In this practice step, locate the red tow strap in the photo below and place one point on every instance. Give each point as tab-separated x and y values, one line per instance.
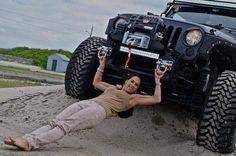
129	55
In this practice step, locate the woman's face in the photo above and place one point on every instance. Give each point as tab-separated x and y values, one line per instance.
131	85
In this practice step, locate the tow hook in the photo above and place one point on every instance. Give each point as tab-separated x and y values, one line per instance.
104	51
164	65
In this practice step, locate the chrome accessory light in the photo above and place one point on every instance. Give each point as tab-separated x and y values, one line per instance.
120	21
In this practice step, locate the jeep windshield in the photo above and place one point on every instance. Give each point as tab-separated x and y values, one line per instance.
204	15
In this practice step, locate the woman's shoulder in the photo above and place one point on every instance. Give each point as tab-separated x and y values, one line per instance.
110	88
118	86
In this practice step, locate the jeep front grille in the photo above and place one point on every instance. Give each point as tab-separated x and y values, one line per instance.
171	36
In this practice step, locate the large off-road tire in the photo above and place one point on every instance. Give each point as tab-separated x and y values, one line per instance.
216	129
82	67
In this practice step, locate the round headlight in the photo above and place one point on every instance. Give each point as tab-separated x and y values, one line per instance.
193	37
120	21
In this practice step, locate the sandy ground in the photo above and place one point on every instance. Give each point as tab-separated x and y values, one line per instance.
161	130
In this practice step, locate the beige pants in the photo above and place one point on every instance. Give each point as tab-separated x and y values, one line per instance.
80	115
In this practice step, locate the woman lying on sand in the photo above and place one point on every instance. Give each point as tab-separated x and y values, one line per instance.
88	113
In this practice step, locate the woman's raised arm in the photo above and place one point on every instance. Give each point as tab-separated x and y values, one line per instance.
97	80
138	99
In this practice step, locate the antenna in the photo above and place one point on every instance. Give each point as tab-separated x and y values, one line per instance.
91	32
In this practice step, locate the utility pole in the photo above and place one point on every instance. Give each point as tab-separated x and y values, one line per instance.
91	32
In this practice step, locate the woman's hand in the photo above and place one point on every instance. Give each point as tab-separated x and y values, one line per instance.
102	61
158	75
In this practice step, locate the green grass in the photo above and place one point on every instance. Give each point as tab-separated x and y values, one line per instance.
8	83
24	71
39	56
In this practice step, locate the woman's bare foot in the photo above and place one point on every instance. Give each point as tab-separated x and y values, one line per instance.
18	142
9	141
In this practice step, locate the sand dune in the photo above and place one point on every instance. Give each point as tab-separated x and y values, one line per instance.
154	130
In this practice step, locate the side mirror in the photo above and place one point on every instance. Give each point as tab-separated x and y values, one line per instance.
163	15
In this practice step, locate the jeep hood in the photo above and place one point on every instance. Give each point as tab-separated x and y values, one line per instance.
223	33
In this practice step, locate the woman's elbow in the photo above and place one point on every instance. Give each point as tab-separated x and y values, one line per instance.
157	100
95	85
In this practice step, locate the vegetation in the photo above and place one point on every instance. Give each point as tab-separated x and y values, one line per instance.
39	56
24	71
14	77
7	83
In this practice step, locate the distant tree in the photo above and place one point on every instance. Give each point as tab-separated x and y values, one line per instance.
39	56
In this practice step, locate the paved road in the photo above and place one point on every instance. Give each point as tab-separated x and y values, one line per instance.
31	77
31	67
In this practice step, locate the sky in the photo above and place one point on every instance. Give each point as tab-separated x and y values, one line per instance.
62	24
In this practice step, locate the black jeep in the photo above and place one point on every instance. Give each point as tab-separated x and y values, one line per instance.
194	42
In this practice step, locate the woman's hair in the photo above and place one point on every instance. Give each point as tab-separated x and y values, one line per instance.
126	114
130	75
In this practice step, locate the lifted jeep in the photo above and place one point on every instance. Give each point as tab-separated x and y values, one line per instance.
194	42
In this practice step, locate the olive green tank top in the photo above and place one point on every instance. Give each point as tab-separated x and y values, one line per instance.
113	100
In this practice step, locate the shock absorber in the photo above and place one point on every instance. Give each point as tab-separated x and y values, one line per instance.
201	86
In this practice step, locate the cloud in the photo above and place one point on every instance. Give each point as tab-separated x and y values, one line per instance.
62	24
